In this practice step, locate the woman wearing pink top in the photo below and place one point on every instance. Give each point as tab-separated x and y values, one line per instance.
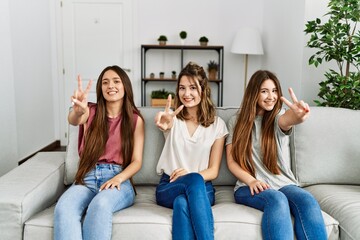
111	137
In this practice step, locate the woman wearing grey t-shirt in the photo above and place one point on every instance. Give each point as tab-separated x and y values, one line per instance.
257	156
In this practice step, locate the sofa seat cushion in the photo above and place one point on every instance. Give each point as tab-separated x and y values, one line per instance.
342	202
146	220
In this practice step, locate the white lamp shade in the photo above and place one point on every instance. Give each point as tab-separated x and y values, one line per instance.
247	41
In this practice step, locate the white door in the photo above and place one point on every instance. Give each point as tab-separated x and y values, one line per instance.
96	34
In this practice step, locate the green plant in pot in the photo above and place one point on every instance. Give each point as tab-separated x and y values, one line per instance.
212	68
183	36
159	98
203	41
162	40
338	40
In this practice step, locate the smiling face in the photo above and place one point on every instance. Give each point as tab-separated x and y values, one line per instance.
112	86
268	97
189	92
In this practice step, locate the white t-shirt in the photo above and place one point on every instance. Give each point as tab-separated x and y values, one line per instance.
189	152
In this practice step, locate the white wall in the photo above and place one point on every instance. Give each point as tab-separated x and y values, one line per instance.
28	123
311	75
218	20
283	39
30	77
8	132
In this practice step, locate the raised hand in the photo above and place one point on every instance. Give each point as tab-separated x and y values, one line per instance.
297	113
164	119
79	99
299	108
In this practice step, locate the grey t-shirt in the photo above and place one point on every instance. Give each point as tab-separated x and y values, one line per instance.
286	177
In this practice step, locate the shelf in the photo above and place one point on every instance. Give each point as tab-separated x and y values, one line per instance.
181	48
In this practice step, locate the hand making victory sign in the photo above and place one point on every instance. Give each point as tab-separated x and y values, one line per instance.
164	120
298	112
79	99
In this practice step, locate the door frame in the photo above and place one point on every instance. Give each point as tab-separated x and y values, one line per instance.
59	71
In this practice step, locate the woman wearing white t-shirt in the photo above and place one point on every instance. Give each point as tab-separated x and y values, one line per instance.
191	157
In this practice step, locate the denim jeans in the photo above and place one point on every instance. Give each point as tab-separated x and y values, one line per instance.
99	206
278	206
191	199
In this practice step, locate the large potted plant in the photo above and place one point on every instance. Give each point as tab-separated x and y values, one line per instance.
338	39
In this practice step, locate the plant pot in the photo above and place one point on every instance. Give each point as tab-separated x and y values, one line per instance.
204	44
162	43
182	41
212	74
157	102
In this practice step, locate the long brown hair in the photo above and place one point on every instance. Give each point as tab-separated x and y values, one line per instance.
242	136
206	109
96	135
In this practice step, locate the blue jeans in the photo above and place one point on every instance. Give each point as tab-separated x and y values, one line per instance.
99	206
278	206
191	199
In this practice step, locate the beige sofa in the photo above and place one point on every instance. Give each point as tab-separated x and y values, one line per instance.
325	156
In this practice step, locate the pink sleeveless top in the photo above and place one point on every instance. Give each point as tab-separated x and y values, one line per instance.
112	153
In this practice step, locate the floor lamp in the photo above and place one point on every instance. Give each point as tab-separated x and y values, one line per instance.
248	42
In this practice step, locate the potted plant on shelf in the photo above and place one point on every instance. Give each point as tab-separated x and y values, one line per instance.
183	36
161	75
162	40
159	98
212	70
173	74
338	40
203	41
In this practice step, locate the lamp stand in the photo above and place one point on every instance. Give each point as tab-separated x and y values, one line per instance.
246	67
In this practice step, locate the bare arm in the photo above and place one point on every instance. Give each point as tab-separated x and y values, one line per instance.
80	112
215	160
136	160
255	185
298	112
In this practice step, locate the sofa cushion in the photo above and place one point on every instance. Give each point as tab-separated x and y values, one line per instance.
72	155
147	220
326	147
343	203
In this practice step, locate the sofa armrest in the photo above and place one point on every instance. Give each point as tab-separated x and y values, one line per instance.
29	189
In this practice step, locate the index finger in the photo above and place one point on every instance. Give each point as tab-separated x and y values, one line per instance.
292	94
287	102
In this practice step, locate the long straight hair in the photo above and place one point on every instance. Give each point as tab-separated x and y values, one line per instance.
206	109
97	134
241	142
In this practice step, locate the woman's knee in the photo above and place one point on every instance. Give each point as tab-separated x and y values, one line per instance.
194	179
181	204
277	201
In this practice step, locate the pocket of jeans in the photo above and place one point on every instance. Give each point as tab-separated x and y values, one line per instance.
116	169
